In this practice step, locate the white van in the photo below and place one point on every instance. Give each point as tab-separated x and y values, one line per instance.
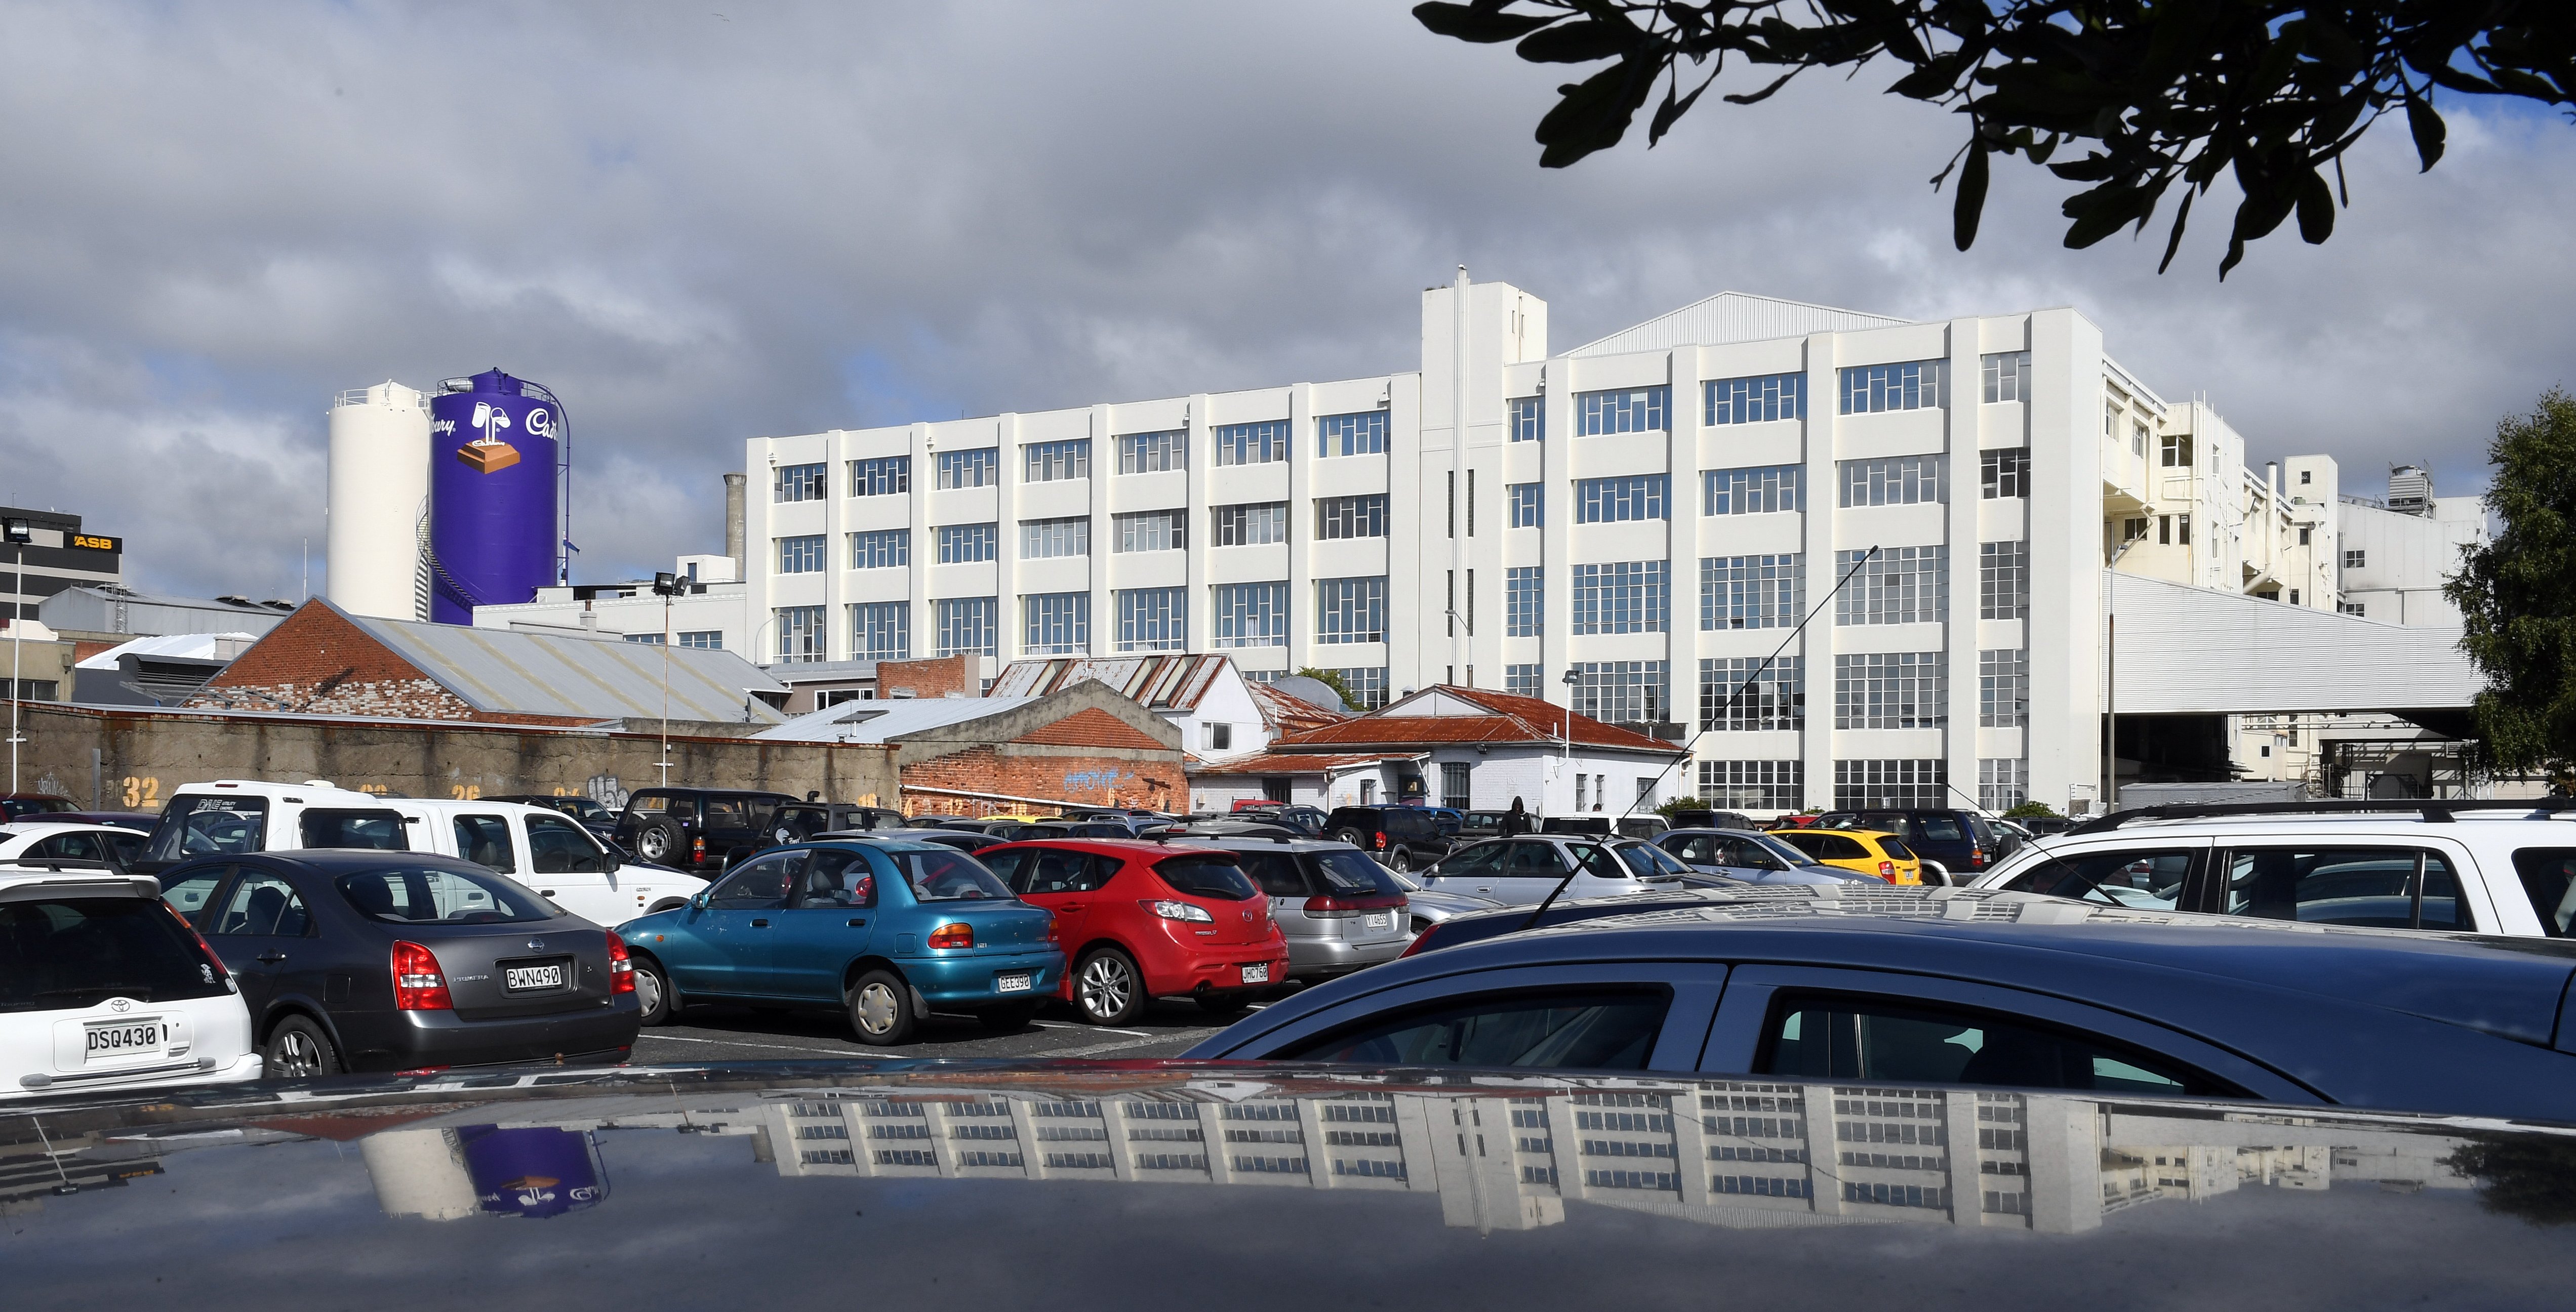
102	988
541	848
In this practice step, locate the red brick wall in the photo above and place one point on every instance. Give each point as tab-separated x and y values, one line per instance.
316	662
1105	780
936	676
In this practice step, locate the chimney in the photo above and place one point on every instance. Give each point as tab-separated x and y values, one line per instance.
733	522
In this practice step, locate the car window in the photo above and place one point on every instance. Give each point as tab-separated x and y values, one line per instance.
1647	861
1010	867
1056	870
1353	874
1206	876
648	802
1589	1030
760	885
725	813
757	810
560	847
128	845
186	890
1482	861
1596	861
264	904
1535	861
2549	880
2372	886
210	826
69	847
1895	850
330	827
1847	1038
836	878
2125	877
1405	822
416	894
485	841
1277	872
945	876
71	953
1938	828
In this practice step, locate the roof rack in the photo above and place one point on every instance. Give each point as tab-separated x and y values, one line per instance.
2434	810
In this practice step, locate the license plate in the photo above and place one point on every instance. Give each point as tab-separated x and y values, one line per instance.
123	1038
532	977
1380	920
1014	981
1257	974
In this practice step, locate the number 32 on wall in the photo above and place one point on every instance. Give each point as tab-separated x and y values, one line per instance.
141	791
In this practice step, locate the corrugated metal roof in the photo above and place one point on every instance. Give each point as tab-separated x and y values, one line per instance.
1165	683
881	720
2187	650
512	673
1509	720
1733	317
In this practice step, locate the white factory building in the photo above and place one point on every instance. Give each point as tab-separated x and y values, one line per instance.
1654	512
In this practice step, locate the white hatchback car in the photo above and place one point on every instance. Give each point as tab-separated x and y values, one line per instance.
31	843
2461	866
103	986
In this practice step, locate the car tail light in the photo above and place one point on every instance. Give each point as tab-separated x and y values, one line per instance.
954	934
1329	907
1050	929
1381	841
621	968
1887	871
205	953
1173	909
418	985
1976	858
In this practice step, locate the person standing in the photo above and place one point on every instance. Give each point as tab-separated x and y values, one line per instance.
1516	821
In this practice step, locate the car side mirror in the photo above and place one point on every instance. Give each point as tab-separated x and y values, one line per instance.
699	903
610	863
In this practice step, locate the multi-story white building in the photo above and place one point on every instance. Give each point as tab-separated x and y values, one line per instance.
1657	512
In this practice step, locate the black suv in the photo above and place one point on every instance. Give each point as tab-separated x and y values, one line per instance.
795	822
696	827
1400	837
1962	841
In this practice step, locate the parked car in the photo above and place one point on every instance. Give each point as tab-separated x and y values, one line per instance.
2041	826
102	987
371	960
1226	827
134	820
1751	857
964	840
1528	870
2018	995
31	843
1141	920
1424	907
1712	819
2482	867
1965	843
1339	909
1479	824
1308	821
797	822
880	929
1070	829
1400	837
1867	851
591	814
18	806
562	860
697	828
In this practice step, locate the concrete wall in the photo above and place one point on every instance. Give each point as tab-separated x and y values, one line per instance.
132	760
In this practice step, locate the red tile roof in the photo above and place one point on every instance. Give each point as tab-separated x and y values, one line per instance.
1297	762
1513	720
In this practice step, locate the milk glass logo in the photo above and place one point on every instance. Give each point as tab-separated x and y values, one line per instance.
489	454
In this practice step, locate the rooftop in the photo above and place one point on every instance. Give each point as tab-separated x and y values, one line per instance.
1733	317
1448	714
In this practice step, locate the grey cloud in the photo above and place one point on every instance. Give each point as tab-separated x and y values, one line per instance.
699	230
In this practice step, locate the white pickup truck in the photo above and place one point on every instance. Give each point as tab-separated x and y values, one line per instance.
540	848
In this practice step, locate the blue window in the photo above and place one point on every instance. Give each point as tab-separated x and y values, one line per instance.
1916	385
1045	539
881	477
964	544
1636	410
703	639
799	483
883	549
980	467
1528	421
1249	615
1750	592
1611	500
1529	501
1153	453
1362	434
800	633
1252	444
1524	593
1351	517
881	631
1350	610
1051	462
1056	623
1628	596
967	624
1755	490
1893	481
1900	585
1153	619
802	554
1754	400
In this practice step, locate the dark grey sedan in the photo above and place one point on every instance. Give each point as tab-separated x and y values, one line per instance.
380	961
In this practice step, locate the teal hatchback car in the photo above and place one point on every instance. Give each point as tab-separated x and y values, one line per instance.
884	930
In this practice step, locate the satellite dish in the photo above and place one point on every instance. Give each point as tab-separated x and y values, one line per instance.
1314	692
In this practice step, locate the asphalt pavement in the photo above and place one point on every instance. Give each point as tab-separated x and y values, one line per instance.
731	1033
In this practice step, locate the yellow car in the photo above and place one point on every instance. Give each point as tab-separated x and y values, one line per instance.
1866	850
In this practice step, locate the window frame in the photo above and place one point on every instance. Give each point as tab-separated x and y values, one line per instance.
1695	988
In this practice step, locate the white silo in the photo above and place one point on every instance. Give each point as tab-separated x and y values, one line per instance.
379	493
420	1173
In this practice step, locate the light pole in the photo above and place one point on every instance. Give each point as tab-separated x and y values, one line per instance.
666	586
1571	679
2111	677
19	536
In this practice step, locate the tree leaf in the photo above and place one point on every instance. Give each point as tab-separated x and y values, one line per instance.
1593	114
2427	128
2316	209
1970	204
1483	23
1579	43
1672	109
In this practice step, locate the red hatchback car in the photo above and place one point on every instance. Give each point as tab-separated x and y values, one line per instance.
1141	920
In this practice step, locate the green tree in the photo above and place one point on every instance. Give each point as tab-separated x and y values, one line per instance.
2152	93
2517	594
1332	681
2030	811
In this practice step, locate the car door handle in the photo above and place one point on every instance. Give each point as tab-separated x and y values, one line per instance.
760	924
1075	906
858	922
545	892
272	958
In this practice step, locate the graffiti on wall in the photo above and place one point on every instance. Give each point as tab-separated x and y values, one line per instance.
1101	780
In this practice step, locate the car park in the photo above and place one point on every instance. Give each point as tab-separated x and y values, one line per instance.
1400	837
39	844
1424	907
1964	843
1702	818
1748	856
1307	819
1339	910
2505	867
559	858
883	930
797	822
1141	920
1533	868
375	960
1867	851
1957	987
697	828
102	988
1045	829
964	840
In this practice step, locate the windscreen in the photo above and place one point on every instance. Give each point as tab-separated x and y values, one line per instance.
1649	861
1207	876
68	953
948	877
1355	874
441	894
209	825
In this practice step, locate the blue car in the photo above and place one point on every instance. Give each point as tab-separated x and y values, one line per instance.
885	929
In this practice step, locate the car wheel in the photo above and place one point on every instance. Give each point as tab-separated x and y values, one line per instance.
298	1050
1399	859
1015	1016
1228	1005
1108	988
657	841
881	1009
667	904
653	993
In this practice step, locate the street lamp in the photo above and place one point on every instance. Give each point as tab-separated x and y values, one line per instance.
666	585
19	536
1571	679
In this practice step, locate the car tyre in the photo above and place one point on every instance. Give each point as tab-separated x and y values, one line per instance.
1009	1017
1108	989
1227	1005
653	992
880	1007
1399	860
659	841
298	1050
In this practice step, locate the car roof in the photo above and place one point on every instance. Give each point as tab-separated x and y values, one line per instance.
1127	847
1261	843
21	882
905	843
338	860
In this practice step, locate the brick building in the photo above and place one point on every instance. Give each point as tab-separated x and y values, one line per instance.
1086	745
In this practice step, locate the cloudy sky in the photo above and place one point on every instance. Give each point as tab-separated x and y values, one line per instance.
709	221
